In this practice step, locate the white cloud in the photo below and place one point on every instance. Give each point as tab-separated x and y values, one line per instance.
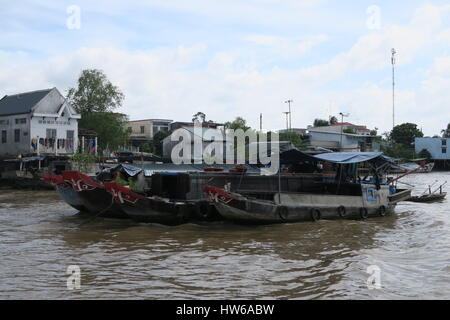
176	81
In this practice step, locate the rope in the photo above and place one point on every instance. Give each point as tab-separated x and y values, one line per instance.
100	213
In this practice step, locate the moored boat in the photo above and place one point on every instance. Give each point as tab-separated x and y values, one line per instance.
156	209
347	196
65	191
93	195
298	207
427	198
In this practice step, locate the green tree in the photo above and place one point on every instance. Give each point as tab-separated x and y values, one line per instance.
293	137
199	116
158	142
333	120
349	130
95	98
147	147
405	134
83	161
446	132
321	123
238	123
94	93
424	153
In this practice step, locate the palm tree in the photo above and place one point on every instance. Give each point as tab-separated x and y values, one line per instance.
446	132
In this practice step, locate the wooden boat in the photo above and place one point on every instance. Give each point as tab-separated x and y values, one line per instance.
399	195
93	195
159	210
297	207
427	198
342	196
65	191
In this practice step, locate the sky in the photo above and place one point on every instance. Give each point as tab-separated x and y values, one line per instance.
229	58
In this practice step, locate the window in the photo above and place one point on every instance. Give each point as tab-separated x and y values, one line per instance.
17	135
444	142
371	194
21	121
4	135
444	150
51	133
4	122
142	129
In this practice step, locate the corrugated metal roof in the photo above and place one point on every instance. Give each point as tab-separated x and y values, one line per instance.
21	103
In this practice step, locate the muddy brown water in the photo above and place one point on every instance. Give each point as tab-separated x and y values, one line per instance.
40	236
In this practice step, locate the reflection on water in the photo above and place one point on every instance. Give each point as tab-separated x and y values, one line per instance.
41	236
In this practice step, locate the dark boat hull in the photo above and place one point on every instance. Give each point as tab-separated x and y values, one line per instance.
244	210
93	196
259	213
429	198
71	197
159	210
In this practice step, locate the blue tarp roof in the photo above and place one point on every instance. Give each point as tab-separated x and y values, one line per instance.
349	157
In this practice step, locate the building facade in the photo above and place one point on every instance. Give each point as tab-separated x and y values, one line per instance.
142	131
38	122
439	148
344	142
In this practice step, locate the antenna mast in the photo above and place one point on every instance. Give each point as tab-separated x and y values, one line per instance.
393	86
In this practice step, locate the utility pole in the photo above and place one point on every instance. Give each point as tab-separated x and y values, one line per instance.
393	86
287	122
260	122
342	126
290	120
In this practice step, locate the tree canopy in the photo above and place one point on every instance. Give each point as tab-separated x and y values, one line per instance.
333	120
424	153
446	132
94	93
238	123
405	134
95	98
158	141
321	123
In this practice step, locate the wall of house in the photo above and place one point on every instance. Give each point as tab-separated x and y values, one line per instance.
151	127
136	129
8	124
438	147
320	139
63	124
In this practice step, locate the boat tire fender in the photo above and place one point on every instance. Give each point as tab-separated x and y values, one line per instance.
382	211
283	213
364	213
342	211
181	213
315	214
203	210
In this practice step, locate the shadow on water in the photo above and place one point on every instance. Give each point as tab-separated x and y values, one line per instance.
221	260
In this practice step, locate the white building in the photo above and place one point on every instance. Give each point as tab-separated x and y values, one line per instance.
345	142
38	122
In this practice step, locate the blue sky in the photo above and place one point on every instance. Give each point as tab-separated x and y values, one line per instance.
229	58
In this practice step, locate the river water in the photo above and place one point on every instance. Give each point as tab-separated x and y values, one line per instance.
41	236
